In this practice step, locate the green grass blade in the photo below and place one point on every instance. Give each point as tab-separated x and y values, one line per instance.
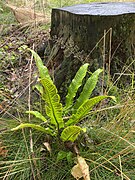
53	105
85	108
88	89
75	84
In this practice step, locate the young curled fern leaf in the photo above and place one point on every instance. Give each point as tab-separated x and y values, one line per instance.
87	89
53	106
75	84
43	71
84	109
34	126
71	133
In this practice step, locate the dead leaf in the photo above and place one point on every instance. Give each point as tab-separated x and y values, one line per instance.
48	147
76	172
27	15
3	151
81	170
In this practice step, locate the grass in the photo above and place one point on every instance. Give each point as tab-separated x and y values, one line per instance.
109	149
6	16
114	144
108	146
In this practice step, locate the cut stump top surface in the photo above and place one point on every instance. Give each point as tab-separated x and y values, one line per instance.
101	9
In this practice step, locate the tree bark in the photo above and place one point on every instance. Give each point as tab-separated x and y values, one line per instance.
102	34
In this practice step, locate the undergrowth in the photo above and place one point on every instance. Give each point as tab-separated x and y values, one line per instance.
108	146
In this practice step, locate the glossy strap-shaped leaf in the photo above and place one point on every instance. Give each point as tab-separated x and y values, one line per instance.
37	115
71	133
53	106
85	108
87	90
43	71
75	84
34	126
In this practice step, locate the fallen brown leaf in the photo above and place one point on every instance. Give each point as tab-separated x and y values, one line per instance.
81	170
27	15
3	151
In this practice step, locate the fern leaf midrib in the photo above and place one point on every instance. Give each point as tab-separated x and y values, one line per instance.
53	111
48	94
86	93
75	133
75	84
75	118
49	97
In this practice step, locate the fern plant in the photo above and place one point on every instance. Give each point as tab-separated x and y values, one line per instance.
54	122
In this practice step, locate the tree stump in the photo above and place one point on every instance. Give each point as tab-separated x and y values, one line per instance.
102	34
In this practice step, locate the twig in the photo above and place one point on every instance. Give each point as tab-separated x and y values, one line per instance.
29	105
104	47
110	53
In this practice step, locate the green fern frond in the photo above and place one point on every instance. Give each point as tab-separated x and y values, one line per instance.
53	105
75	84
34	126
84	109
71	133
88	89
37	115
43	71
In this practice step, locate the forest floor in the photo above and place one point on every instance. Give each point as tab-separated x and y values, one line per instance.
14	61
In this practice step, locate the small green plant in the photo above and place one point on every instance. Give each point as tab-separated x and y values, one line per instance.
56	123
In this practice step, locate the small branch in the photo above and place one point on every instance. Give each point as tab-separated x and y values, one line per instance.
29	105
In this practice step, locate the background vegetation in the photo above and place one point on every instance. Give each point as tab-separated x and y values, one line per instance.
109	144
